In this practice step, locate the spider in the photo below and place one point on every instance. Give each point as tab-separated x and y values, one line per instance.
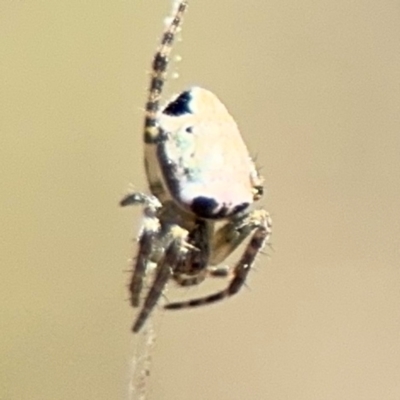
202	183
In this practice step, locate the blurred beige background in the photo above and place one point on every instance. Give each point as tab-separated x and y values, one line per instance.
314	86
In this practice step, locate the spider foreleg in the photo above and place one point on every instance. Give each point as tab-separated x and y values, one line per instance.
150	231
147	237
260	222
146	240
175	251
151	131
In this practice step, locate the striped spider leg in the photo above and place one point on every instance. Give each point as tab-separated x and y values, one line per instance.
202	183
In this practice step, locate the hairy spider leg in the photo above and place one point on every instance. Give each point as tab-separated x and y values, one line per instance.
172	256
260	236
215	272
149	233
225	240
158	78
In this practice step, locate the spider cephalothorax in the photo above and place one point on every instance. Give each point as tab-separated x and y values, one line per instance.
202	183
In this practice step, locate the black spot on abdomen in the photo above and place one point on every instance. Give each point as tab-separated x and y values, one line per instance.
207	207
179	106
204	207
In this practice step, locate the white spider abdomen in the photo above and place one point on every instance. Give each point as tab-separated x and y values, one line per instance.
203	158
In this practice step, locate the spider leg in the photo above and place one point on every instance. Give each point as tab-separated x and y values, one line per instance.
187	280
259	223
173	254
139	272
158	77
150	230
219	272
216	272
